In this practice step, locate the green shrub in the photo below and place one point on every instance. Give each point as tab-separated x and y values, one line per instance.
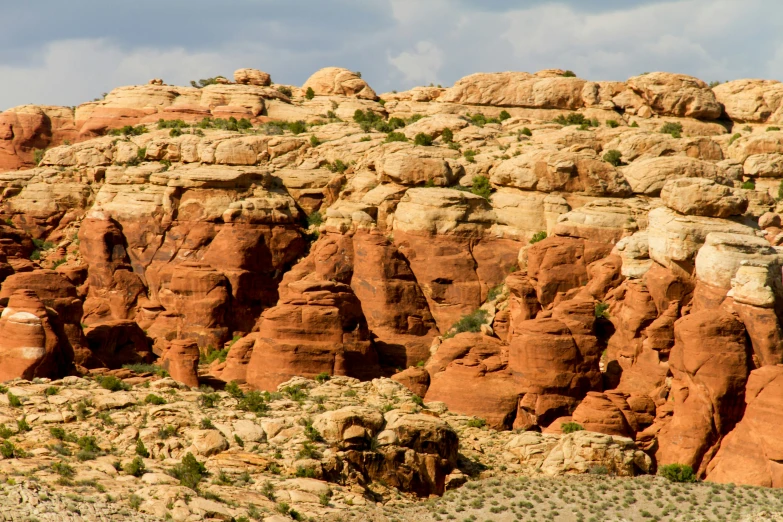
306	472
470	155
575	118
673	128
213	355
569	74
63	469
209	400
395	136
22	425
612	124
206	424
481	187
422	139
714	83
171	124
480	120
253	402
773	128
205	81
780	190
112	383
14	401
146	368
314	142
570	427
165	432
602	310
268	490
135	467
307	451
154	399
134	501
8	450
613	157
322	378
476	423
494	292
538	236
297	127
141	449
129	130
734	137
189	471
447	136
57	432
284	90
469	323
504	115
337	166
677	473
525	131
233	389
748	185
315	219
38	155
634	124
310	94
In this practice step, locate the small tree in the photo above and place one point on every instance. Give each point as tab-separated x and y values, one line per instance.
447	135
570	427
677	473
310	94
613	157
425	140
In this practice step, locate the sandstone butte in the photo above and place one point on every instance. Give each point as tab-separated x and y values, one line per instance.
527	249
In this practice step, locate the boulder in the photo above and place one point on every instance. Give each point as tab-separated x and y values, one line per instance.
332	81
181	361
516	89
752	101
252	77
703	197
679	95
416	379
648	176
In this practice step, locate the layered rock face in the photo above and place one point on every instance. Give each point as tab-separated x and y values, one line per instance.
528	249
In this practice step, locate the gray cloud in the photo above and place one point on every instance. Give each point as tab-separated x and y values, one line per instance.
55	52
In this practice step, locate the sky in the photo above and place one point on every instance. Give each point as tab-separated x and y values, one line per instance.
57	52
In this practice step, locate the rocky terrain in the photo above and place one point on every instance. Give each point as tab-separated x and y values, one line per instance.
390	294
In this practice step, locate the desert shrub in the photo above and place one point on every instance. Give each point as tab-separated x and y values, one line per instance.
673	128
146	368
477	423
297	127
634	124
141	449
613	157
171	124
395	136
602	310
677	473
538	236
112	383
166	432
38	155
57	432
51	390
198	84
315	219
494	292
134	501
481	187
570	427
305	471
268	490
310	93
208	400
295	392
233	389
773	128
135	467
307	451
189	471
338	166
575	119
714	83
314	142
22	425
206	424
322	378
748	185
612	124
63	469
569	74
470	323
447	136
524	131
734	137
780	190
285	90
422	139
213	355
14	401
504	115
129	130
154	399
254	402
470	155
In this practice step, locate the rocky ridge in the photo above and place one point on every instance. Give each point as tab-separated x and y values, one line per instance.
533	250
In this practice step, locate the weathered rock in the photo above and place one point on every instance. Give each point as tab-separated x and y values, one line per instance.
754	101
252	77
516	89
181	361
676	95
337	81
648	176
703	197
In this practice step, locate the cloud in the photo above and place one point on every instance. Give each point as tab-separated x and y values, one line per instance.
421	65
85	47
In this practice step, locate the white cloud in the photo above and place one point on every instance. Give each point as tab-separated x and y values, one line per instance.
421	65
